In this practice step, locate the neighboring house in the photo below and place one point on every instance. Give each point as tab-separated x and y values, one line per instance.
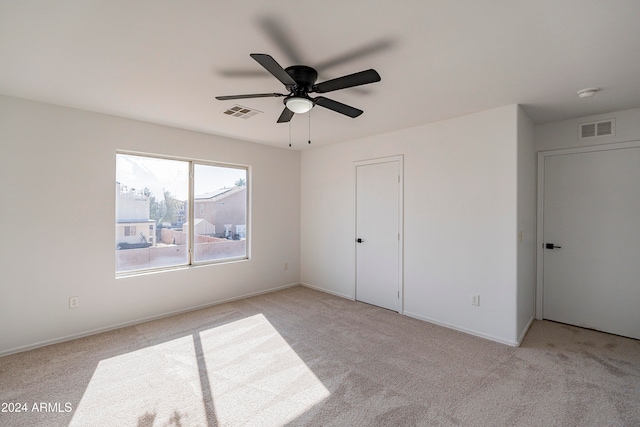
133	225
224	208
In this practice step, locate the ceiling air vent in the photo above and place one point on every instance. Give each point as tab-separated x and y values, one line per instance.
242	112
596	129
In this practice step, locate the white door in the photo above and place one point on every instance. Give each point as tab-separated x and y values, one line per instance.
592	215
378	225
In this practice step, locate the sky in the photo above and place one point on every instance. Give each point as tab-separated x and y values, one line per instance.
173	175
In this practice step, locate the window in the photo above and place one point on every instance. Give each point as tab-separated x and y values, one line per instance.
168	211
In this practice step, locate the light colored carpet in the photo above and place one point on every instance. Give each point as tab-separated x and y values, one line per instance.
302	357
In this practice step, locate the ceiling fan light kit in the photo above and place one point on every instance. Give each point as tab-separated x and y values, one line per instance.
300	80
298	104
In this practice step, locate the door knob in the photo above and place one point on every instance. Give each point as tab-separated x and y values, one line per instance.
551	246
359	240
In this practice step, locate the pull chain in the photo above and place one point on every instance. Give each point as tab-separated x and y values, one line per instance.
309	139
309	126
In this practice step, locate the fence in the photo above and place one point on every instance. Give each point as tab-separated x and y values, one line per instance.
163	256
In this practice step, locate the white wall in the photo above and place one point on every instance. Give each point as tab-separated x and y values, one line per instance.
526	224
58	171
564	134
460	223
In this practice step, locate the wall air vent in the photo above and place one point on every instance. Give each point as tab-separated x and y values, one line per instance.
242	112
597	129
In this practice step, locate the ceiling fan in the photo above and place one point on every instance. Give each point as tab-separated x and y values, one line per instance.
300	81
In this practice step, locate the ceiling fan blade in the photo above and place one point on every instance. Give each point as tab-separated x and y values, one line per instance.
274	68
351	80
276	30
251	95
337	107
352	55
285	116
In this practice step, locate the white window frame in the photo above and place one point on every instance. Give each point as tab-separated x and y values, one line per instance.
190	207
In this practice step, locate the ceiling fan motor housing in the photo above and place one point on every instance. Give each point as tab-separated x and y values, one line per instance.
305	77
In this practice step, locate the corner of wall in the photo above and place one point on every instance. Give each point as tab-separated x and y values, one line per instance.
526	233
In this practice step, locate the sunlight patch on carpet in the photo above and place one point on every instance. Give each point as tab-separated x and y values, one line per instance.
243	372
256	377
155	385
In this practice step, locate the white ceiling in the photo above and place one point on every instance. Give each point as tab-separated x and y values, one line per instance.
164	61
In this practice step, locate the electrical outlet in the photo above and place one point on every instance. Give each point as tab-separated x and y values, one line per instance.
74	302
286	265
475	300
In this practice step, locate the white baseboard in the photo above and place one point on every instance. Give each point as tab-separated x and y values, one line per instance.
465	330
327	291
137	321
266	291
434	321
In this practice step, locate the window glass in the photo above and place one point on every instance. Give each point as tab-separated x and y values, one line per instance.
150	194
220	200
153	208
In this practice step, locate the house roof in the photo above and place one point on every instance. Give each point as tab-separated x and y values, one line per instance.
197	221
220	193
164	62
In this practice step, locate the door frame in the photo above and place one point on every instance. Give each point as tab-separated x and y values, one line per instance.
400	160
542	155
